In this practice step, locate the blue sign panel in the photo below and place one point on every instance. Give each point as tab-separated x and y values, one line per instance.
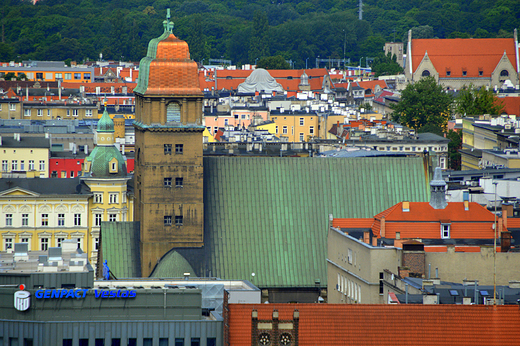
81	293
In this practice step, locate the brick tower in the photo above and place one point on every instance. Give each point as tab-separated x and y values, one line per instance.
168	145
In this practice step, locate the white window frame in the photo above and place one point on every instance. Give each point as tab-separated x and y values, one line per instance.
39	112
42	165
22	165
97	219
25	219
14	165
12	106
26	112
74	112
31	165
44	244
5	166
302	121
45	220
88	112
112	198
98	197
8	220
8	243
302	137
77	219
284	130
445	230
61	220
112	217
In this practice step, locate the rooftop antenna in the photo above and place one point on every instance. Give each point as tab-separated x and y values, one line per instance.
360	9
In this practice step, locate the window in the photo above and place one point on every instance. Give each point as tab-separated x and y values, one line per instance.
67	342
226	122
179	182
77	75
42	165
425	73
96	244
31	165
26	112
504	73
5	166
292	130
179	148
173	113
22	165
68	112
39	75
54	174
243	116
112	217
302	121
302	137
99	342
39	112
179	342
68	76
88	112
112	198
167	149
44	244
311	130
12	106
211	342
74	112
445	231
168	182
8	243
284	130
72	174
97	220
350	256
464	73
167	220
98	198
448	73
77	219
25	240
480	73
58	75
45	219
276	130
116	342
14	165
61	219
59	241
25	219
195	341
178	220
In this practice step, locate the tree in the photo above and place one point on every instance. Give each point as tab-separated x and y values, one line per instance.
472	102
453	149
259	43
386	65
423	102
273	63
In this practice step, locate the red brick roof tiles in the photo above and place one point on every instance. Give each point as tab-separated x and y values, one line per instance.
511	104
458	55
353	223
399	324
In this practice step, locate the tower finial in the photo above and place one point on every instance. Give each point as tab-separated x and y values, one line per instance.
168	25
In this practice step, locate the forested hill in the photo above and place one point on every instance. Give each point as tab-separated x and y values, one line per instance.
241	30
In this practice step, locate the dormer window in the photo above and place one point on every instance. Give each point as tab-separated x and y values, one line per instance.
113	166
480	72
448	73
464	72
445	230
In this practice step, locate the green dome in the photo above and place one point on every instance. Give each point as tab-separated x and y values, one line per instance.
172	265
101	159
105	124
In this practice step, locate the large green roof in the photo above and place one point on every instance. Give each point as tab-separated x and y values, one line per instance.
269	216
120	247
100	159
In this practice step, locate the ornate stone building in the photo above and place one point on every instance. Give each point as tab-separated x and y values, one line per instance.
168	144
483	62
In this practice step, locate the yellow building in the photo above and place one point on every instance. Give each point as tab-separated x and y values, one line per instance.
43	212
303	126
105	173
49	72
10	108
58	110
24	155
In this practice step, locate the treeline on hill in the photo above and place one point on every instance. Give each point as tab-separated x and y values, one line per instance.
242	30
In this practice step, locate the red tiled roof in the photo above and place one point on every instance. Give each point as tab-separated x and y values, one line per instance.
353	223
511	104
104	87
454	211
513	222
458	54
391	324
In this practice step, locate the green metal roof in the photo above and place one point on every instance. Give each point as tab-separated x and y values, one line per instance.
175	265
120	247
105	124
100	159
269	216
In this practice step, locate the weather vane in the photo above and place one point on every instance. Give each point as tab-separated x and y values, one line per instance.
168	25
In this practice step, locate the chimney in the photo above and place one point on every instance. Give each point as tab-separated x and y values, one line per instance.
406	206
438	190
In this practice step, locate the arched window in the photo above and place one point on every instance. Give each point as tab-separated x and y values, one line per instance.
425	73
173	113
504	73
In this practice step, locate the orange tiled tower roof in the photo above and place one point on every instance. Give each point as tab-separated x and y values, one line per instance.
167	68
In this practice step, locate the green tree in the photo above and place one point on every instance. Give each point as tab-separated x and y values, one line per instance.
453	149
259	42
473	102
385	65
423	103
273	63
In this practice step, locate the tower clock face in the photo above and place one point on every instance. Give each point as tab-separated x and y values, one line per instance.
264	339
285	339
